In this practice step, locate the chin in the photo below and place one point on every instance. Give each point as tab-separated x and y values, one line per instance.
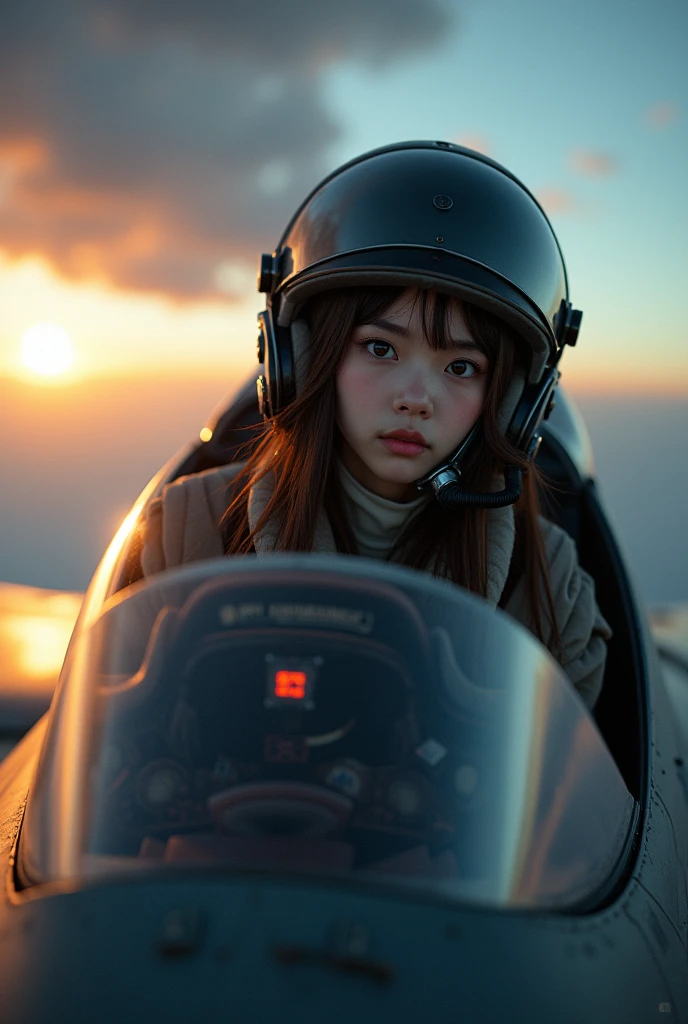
404	475
400	473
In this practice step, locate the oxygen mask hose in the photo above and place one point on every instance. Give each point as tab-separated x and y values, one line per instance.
451	495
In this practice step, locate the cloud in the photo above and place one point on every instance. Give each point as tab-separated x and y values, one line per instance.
473	140
661	115
306	33
556	200
593	163
146	144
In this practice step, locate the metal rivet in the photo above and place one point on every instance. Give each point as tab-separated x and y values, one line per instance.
443	202
440	238
180	932
351	939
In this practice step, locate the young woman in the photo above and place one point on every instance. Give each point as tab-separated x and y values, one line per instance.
417	310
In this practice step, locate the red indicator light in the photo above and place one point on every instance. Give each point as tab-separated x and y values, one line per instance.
290	684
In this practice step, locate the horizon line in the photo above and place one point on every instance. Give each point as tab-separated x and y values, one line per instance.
210	375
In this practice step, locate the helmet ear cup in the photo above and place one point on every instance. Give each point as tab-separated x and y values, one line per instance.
533	406
276	386
300	347
512	397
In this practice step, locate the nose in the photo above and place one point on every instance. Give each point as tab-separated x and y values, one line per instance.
414	399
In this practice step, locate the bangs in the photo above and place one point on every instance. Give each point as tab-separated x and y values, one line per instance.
333	315
437	314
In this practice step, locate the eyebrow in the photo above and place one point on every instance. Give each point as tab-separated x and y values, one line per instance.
393	328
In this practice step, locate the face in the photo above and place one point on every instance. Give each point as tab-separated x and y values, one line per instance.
402	407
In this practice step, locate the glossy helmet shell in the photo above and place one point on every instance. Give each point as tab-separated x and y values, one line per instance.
429	215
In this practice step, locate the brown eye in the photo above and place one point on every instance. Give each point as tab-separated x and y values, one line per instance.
380	349
462	368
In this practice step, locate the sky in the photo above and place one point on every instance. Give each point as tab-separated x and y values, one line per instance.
149	152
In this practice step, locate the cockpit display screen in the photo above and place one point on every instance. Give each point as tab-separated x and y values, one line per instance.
290	682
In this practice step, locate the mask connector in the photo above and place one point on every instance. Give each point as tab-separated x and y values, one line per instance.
451	495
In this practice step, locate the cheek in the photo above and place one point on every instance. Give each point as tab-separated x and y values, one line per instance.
465	413
356	392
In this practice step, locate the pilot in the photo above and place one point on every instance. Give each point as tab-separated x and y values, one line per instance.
417	308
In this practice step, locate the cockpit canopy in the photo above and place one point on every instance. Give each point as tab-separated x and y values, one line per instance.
325	717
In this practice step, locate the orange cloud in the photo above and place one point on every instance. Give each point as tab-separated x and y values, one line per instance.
23	155
661	115
593	163
555	200
475	141
124	237
94	234
147	143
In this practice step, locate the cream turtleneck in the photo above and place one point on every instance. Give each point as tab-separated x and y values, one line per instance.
376	522
500	525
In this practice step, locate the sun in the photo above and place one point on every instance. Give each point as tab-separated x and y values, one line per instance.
46	349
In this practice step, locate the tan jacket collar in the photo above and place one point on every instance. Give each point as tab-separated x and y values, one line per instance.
500	535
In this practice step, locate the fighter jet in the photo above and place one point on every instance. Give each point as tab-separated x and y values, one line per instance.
315	788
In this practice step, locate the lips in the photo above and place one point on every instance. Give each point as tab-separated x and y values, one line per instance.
406	435
405	442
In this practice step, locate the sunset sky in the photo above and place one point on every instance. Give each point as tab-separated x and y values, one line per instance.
149	153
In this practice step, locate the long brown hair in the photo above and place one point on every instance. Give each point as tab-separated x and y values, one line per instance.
299	447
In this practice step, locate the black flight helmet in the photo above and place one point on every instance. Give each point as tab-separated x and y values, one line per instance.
426	215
